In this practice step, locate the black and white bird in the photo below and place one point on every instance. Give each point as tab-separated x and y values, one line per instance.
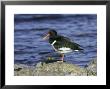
61	44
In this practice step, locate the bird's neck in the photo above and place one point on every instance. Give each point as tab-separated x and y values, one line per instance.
52	39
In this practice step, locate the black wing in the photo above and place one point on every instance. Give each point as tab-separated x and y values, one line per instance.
62	41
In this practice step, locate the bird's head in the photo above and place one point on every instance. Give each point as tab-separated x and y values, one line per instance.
51	33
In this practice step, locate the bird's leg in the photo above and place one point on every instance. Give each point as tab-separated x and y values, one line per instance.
62	57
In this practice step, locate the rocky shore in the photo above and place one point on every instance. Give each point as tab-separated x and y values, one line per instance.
56	69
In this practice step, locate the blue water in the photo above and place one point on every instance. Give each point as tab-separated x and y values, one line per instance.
29	29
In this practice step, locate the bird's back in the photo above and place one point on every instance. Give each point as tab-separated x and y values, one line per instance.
62	41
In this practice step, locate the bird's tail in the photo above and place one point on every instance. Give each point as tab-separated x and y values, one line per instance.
81	50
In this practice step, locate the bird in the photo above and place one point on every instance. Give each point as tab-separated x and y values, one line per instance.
61	44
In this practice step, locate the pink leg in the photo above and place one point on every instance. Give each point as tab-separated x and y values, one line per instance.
62	57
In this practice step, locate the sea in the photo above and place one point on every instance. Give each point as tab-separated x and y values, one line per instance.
29	30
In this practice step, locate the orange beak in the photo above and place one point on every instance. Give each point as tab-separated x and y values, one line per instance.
46	37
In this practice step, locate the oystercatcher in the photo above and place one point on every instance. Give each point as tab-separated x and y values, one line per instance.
61	44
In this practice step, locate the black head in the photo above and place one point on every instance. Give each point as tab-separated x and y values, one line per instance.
50	34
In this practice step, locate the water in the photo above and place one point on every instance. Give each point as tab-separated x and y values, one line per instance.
29	29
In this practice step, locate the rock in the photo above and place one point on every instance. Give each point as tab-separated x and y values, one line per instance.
22	70
39	64
56	69
92	68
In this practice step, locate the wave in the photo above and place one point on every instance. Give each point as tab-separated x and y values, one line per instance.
34	17
24	52
32	29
